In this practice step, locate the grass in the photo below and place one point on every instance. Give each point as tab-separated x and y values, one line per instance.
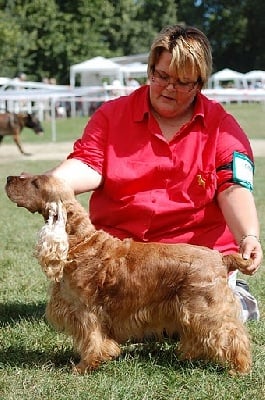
251	117
35	361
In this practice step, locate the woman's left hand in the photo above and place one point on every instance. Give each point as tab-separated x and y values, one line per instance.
250	248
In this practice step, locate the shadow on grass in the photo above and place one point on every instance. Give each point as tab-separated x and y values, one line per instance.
163	354
10	313
19	357
147	353
143	355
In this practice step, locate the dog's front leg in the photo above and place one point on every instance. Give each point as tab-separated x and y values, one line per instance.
87	329
94	348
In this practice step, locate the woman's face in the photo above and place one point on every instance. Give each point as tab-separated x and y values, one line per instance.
169	100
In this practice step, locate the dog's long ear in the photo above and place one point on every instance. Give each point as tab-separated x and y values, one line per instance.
52	244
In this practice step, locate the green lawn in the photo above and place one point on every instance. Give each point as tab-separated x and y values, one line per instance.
35	361
251	117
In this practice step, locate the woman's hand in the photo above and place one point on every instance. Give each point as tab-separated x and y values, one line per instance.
239	210
250	248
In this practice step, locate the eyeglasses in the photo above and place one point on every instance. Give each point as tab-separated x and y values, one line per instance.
163	80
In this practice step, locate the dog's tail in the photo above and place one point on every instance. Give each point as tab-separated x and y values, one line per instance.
235	261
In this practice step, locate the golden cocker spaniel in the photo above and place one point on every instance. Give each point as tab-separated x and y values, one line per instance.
106	291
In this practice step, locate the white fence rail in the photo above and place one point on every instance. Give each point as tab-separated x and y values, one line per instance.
47	102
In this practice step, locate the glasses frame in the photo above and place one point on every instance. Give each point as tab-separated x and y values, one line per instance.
165	80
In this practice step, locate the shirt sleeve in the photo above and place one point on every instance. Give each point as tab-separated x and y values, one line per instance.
90	148
232	139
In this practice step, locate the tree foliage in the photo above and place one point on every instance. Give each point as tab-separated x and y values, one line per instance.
254	39
43	38
235	29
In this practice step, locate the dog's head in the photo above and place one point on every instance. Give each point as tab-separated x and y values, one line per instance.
46	195
36	192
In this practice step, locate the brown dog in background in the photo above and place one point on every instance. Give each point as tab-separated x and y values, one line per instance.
13	124
106	291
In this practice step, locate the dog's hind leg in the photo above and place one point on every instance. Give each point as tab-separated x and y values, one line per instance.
212	328
223	341
230	346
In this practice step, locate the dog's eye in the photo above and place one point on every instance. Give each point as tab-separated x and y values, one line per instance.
35	183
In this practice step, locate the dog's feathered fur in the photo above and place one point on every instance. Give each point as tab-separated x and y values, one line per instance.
106	291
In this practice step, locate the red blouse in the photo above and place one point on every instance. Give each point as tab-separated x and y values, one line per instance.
157	191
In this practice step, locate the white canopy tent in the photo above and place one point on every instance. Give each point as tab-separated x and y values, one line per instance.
255	78
228	77
3	81
93	71
135	58
135	70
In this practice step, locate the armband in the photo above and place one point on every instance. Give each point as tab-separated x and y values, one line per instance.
243	170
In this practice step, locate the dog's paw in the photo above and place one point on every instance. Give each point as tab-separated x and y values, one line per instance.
83	368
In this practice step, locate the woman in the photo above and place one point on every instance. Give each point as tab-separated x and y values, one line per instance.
167	164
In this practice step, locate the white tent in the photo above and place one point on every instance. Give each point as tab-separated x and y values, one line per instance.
135	70
93	71
4	81
228	77
256	78
136	58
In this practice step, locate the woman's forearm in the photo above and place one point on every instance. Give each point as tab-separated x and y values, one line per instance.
239	210
78	175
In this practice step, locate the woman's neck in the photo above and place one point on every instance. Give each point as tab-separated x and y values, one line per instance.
171	126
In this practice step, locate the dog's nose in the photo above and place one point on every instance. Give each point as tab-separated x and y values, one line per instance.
8	179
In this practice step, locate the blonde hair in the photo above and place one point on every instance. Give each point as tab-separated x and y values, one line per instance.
190	49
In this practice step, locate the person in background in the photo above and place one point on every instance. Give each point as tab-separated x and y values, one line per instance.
167	164
21	77
132	83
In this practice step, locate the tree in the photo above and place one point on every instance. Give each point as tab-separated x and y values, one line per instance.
152	16
224	22
235	30
43	38
253	45
13	51
191	12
